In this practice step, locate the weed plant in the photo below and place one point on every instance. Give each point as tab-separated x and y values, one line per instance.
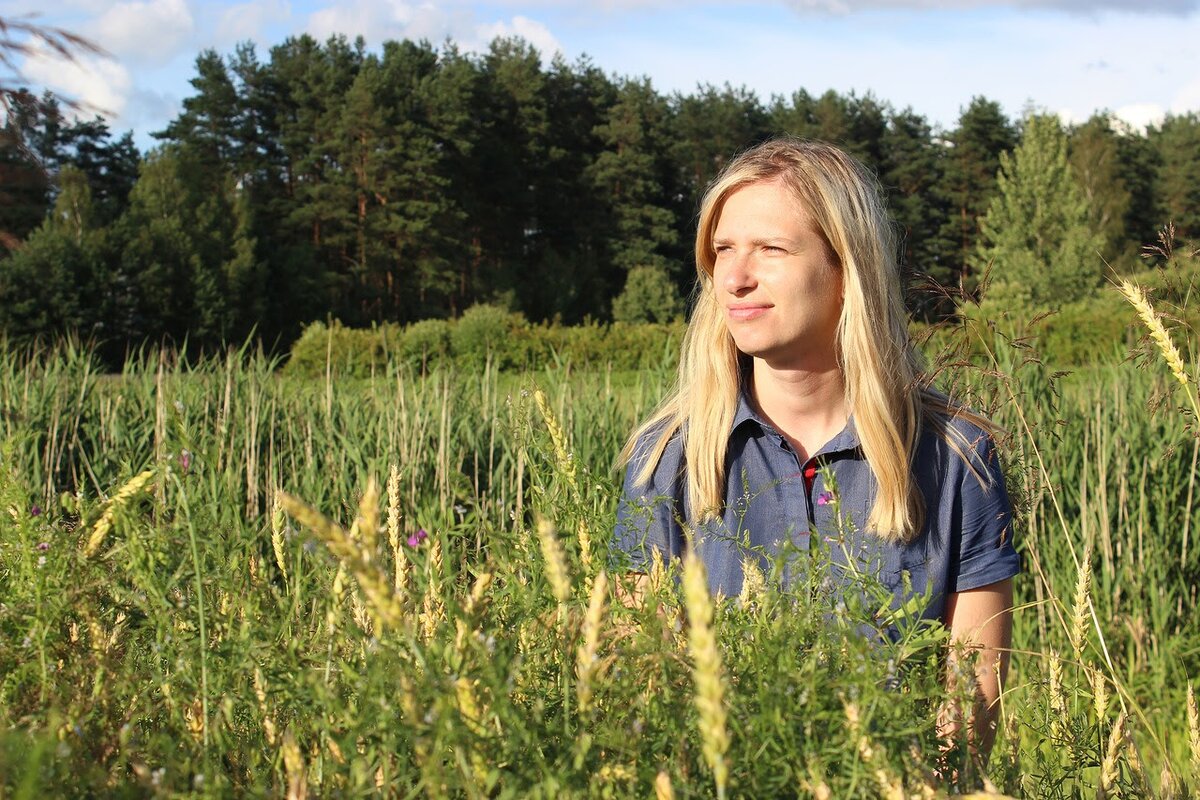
218	580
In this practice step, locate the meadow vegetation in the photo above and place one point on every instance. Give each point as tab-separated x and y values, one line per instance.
223	577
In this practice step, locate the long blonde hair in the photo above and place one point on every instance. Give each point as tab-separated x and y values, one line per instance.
882	371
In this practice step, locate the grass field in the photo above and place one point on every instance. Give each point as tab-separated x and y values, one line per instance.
215	580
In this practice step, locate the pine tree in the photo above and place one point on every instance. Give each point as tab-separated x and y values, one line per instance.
1036	237
1095	161
969	182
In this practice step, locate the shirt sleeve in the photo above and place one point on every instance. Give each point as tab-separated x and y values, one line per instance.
986	552
648	514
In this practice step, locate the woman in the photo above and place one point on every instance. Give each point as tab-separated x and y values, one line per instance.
802	414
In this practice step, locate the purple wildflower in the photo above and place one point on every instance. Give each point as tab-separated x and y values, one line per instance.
824	498
185	460
43	546
417	538
35	510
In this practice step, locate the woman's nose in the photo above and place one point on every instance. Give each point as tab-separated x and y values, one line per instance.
737	275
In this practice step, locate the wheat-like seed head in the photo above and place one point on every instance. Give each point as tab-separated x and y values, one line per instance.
753	582
1079	616
293	765
1058	700
707	672
1099	694
585	662
1168	786
103	525
260	693
556	561
1109	771
585	545
278	526
562	456
365	529
662	786
1158	332
393	518
1193	718
476	602
374	585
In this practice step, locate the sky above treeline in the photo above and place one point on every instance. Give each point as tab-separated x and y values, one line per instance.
1135	58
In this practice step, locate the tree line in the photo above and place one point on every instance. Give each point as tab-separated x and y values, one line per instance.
330	181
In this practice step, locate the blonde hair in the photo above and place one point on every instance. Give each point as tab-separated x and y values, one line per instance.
882	371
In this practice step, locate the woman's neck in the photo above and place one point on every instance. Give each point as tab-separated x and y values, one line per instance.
807	406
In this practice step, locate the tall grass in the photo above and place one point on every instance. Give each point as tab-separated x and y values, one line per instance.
210	643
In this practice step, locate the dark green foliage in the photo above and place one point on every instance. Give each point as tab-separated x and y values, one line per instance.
414	181
1177	141
972	161
649	296
1037	240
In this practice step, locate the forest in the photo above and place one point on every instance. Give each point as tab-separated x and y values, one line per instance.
335	182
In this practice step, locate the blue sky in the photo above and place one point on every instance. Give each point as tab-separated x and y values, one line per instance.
1135	58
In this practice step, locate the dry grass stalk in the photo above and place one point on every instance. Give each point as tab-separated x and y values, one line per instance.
103	525
1193	718
707	672
374	585
1080	612
586	660
1109	771
1158	332
556	561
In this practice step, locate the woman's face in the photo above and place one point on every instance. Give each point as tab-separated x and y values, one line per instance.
776	279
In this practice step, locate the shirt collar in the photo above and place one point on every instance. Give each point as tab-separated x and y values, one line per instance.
846	439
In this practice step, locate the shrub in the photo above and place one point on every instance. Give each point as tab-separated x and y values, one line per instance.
485	330
425	344
649	296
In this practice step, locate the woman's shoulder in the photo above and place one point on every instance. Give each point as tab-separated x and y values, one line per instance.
953	433
648	445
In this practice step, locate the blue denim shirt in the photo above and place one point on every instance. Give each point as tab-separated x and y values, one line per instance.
966	542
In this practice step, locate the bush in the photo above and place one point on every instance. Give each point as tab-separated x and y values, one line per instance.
348	352
649	296
425	344
485	330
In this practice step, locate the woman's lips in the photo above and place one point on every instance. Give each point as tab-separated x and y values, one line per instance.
742	313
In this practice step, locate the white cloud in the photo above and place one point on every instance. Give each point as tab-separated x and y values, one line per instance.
149	30
1139	116
1086	7
1187	99
379	20
248	20
98	85
530	30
